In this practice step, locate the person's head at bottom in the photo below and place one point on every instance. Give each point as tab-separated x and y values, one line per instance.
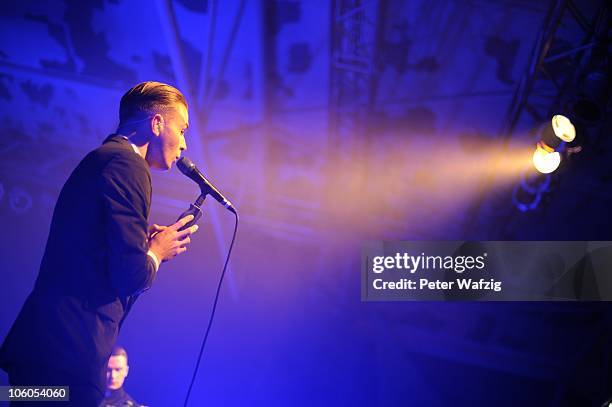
117	369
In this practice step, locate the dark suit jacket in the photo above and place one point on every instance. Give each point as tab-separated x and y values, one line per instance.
94	266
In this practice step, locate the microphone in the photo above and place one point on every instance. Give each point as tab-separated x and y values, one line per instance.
187	167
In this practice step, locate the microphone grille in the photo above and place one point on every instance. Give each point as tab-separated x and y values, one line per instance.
185	165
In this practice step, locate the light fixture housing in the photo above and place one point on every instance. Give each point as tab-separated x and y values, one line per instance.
554	135
563	128
545	160
560	129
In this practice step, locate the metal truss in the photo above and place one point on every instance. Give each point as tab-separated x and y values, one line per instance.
543	56
548	86
355	31
203	97
552	81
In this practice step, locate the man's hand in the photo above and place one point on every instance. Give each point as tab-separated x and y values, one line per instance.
166	241
155	229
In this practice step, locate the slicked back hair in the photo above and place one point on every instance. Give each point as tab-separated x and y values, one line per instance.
146	99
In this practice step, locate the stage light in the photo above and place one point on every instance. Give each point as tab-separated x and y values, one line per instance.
563	128
545	160
560	129
554	135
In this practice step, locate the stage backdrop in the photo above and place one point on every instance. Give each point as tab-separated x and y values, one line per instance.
328	124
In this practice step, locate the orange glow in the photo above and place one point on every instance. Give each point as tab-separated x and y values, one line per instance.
380	188
545	161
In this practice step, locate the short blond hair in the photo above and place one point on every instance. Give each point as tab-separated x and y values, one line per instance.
148	98
119	351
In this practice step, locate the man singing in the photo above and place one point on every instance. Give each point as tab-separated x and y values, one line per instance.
99	255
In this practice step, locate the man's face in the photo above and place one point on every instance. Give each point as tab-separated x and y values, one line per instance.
171	140
116	372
